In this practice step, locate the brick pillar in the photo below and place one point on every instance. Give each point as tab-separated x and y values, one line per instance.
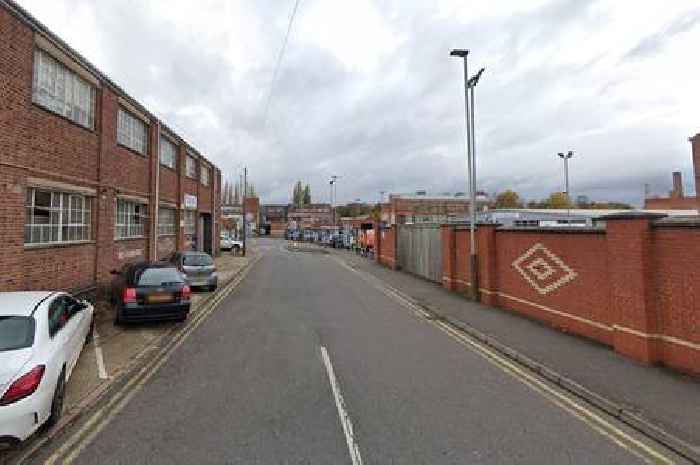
630	273
449	261
377	241
153	161
180	217
695	144
488	273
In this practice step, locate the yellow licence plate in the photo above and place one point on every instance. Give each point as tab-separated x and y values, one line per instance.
159	298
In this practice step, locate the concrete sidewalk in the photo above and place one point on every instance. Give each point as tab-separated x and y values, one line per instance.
659	396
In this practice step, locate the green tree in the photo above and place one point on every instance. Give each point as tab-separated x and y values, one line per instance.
558	200
508	199
307	195
298	195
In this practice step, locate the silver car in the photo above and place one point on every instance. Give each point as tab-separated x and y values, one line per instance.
198	268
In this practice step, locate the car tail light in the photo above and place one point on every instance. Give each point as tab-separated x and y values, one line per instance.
24	386
186	293
129	295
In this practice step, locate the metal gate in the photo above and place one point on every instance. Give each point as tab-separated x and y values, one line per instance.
420	250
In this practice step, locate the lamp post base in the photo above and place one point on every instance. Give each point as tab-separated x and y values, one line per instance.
473	277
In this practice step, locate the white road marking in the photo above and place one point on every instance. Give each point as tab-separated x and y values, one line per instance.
101	370
345	420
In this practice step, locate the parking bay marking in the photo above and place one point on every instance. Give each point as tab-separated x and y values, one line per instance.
101	370
571	406
79	440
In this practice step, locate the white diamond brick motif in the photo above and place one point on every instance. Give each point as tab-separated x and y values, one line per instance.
543	270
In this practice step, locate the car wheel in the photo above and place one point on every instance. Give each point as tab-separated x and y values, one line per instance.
212	288
118	320
181	318
57	402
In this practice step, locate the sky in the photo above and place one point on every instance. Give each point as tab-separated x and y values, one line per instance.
366	89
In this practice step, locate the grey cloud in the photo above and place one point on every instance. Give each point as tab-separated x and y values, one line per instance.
654	43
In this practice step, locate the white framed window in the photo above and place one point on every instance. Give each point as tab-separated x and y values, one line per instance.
56	217
168	153
204	175
190	222
166	221
130	219
131	131
191	167
60	90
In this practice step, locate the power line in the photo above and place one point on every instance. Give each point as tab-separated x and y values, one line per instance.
279	60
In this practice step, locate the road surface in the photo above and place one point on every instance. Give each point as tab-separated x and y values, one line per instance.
310	362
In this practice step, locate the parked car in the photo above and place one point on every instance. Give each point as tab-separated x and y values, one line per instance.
41	337
150	291
198	268
230	244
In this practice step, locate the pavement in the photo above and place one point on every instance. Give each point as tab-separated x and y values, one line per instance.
659	396
115	349
307	361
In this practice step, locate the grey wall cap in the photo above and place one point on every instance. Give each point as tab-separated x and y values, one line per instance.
633	215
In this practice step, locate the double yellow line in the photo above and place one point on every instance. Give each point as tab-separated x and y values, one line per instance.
567	403
80	439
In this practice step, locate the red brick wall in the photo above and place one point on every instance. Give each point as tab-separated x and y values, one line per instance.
632	286
671	203
168	184
50	268
386	247
676	252
166	246
127	169
583	299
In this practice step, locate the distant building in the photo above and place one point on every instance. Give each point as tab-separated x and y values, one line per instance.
422	207
538	218
311	216
676	200
274	218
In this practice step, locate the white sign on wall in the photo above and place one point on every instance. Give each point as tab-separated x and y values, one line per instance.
190	201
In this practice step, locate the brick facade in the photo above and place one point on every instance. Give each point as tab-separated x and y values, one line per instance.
632	286
47	151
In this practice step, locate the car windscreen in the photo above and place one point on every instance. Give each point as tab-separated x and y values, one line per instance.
197	260
16	332
159	277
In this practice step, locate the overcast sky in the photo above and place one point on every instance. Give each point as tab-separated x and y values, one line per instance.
367	90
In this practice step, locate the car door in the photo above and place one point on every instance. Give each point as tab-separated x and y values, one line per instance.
73	343
58	342
78	319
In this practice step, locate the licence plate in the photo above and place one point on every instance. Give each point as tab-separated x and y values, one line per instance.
159	298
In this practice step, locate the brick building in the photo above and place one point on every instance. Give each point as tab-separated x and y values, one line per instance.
312	215
90	179
423	208
274	219
677	200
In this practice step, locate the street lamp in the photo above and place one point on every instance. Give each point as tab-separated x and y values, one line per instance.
566	157
333	181
469	85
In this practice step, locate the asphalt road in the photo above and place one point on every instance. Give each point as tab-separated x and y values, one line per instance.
250	386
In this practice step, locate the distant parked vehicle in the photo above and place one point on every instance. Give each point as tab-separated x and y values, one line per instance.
150	291
198	268
230	244
41	337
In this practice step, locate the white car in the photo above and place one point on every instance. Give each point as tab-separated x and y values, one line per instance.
41	336
228	243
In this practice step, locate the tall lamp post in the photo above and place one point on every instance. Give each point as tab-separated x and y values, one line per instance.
333	181
566	157
469	85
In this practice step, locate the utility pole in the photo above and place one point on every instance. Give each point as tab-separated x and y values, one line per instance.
245	195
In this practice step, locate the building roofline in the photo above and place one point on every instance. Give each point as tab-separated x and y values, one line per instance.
38	27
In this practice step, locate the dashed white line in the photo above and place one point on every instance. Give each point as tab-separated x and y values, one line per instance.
345	420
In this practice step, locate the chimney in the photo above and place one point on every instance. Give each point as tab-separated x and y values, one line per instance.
677	191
